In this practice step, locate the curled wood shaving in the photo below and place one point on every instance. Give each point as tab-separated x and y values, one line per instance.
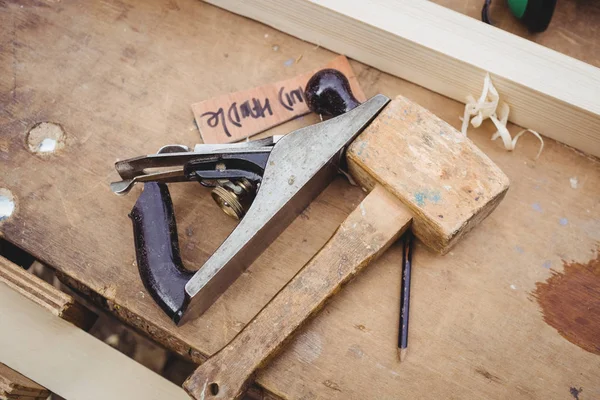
488	106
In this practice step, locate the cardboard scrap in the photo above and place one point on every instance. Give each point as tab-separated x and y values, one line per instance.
236	116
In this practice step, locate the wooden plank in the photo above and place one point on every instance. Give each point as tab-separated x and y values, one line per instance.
45	295
69	361
120	76
449	53
562	35
14	386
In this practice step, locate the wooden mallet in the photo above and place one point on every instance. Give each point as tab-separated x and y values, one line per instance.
421	174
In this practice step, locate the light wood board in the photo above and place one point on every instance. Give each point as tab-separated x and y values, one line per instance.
573	31
45	295
120	76
69	361
448	53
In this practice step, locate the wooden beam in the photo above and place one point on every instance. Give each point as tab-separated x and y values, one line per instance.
38	343
448	53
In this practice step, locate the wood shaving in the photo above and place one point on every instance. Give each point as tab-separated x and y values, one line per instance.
489	106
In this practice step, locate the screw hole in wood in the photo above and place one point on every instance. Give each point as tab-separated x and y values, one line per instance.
213	388
46	138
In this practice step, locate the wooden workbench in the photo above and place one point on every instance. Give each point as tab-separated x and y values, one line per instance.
119	77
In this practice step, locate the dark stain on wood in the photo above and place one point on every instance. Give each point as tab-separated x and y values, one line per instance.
575	392
570	303
487	375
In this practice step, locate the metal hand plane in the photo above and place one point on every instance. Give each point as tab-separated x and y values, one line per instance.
265	183
420	174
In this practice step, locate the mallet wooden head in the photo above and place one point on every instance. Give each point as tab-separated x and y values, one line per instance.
446	182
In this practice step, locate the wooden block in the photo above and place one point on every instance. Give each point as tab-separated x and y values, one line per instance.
15	386
58	303
236	116
438	173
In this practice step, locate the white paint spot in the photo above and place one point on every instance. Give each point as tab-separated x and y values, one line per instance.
574	182
513	287
308	347
204	389
7	204
275	47
362	209
47	145
537	207
391	371
563	221
447	187
266	35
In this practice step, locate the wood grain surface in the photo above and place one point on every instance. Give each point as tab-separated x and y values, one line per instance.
119	77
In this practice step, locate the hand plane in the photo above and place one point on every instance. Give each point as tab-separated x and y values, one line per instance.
420	174
265	183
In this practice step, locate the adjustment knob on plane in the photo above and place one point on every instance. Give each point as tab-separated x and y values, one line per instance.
328	93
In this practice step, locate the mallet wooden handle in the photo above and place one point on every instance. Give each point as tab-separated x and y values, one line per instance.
365	234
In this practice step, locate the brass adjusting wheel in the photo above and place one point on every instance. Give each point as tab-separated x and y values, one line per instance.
234	198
